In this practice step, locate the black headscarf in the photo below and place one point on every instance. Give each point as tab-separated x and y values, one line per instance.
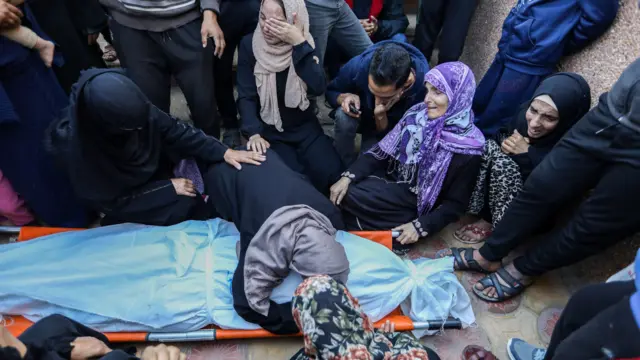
108	140
571	94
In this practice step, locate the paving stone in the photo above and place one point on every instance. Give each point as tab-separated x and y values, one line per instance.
546	291
521	324
427	248
218	351
547	321
450	343
273	349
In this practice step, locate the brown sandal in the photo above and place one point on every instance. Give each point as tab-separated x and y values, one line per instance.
475	352
476	230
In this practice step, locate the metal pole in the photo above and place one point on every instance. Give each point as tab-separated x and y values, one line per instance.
10	230
199	335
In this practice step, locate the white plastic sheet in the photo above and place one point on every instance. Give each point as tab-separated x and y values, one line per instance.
142	278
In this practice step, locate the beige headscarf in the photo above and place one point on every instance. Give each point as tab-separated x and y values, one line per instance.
271	59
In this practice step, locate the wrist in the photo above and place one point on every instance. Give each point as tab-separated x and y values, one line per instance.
298	39
254	137
210	15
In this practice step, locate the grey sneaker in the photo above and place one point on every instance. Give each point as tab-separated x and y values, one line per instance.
232	138
519	349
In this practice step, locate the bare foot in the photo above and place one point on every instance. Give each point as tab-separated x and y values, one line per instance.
491	292
45	49
482	262
474	233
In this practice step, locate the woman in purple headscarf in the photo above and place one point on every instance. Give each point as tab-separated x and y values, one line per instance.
420	177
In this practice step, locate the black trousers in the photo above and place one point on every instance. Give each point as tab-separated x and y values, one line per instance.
452	18
597	317
582	160
151	58
237	19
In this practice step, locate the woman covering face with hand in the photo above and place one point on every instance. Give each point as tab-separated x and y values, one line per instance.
277	69
508	159
419	178
122	154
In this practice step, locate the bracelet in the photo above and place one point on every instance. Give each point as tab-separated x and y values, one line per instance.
348	175
418	226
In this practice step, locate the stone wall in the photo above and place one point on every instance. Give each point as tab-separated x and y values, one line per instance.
600	63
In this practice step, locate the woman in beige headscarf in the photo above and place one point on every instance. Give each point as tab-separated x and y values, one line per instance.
277	68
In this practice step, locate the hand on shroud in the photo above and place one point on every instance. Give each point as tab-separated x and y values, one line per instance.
235	157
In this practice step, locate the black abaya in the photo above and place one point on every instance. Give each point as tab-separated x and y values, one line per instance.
120	150
377	201
248	197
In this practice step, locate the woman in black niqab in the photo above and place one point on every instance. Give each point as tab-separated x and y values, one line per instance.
121	152
557	104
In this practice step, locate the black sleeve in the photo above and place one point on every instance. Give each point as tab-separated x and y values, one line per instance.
364	166
187	141
392	20
248	99
156	203
455	199
308	68
529	160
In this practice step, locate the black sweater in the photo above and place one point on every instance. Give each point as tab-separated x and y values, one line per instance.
307	67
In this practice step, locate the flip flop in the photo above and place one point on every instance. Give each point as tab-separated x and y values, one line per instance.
475	352
476	230
467	263
504	292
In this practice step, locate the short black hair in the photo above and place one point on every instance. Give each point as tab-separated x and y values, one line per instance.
391	65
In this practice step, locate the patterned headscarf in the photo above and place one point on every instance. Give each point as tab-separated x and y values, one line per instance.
424	147
271	59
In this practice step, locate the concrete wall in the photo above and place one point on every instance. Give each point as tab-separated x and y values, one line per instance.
601	63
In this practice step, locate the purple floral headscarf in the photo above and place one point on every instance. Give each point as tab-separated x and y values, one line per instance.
424	147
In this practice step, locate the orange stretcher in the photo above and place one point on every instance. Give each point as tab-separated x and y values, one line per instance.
18	324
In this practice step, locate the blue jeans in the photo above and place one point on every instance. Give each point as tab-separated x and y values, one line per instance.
334	18
346	129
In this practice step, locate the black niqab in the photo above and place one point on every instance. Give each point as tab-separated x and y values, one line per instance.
572	96
108	141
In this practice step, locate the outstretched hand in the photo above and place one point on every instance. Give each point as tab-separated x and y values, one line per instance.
235	157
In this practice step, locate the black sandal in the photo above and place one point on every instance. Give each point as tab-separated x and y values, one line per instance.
504	292
468	263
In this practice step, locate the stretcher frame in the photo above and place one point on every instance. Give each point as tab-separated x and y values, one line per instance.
18	324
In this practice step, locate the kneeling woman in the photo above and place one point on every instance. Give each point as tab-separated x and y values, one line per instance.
277	66
557	104
121	153
431	158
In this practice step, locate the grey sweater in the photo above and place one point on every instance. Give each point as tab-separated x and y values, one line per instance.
158	15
